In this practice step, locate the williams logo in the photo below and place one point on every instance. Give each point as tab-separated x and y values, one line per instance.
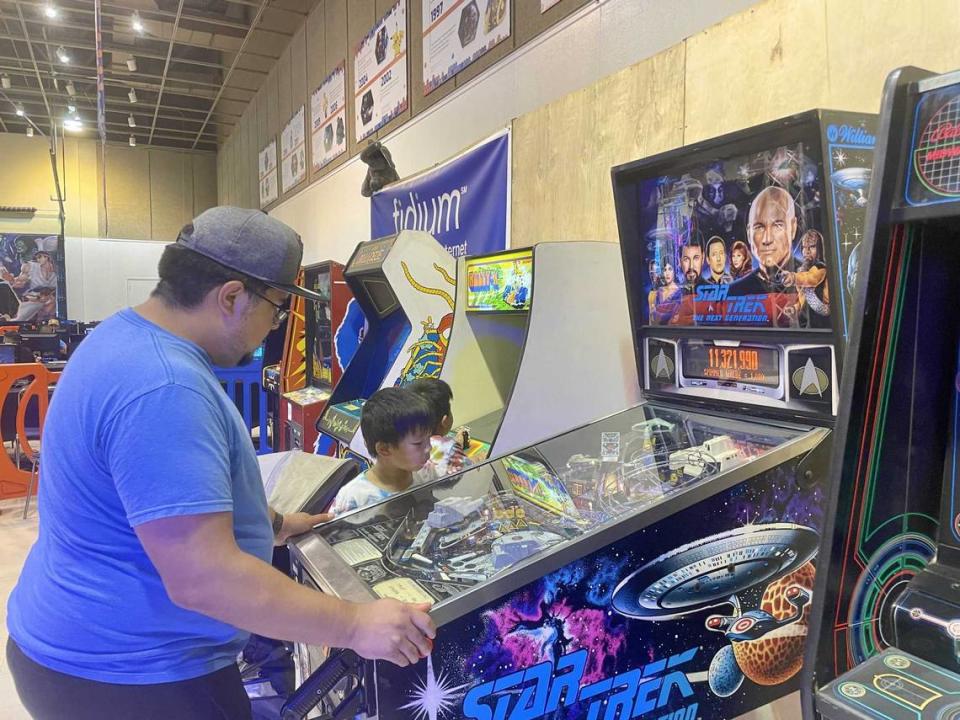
810	380
850	135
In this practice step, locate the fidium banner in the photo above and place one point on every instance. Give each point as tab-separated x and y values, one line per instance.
464	203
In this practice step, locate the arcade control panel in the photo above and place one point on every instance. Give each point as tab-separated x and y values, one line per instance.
893	685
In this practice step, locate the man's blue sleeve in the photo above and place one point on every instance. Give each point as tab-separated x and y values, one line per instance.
169	455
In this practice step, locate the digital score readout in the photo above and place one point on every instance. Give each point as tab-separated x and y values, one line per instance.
743	364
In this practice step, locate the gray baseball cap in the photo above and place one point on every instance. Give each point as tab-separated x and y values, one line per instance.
249	242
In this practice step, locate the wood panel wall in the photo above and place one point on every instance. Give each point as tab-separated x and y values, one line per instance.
777	58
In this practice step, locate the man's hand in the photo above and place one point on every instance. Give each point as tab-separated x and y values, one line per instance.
391	630
299	523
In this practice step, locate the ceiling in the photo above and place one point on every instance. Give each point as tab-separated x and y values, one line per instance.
198	64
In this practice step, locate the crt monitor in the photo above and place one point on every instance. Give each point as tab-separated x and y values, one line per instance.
47	344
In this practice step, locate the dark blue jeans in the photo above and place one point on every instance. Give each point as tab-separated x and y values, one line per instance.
51	695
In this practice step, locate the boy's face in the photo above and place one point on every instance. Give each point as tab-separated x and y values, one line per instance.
410	454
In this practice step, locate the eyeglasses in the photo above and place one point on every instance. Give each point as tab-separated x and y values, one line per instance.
279	312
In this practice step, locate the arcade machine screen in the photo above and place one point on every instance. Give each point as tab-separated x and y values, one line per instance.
500	284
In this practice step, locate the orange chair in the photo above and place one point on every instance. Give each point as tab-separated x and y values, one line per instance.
28	381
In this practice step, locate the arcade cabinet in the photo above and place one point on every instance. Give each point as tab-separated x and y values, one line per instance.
404	285
886	613
659	562
540	343
244	385
309	383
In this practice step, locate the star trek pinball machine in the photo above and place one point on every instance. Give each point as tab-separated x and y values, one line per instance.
659	562
887	616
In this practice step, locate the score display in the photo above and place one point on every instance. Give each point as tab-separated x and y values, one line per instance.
749	364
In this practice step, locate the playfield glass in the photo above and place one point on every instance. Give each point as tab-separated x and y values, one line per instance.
438	540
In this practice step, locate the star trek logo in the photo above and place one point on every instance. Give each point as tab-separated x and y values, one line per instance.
810	380
543	689
662	366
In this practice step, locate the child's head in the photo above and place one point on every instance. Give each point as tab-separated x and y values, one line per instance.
438	396
395	423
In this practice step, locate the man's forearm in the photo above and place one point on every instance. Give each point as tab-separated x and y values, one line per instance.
250	594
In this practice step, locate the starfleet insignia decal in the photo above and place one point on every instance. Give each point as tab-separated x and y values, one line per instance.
810	380
662	366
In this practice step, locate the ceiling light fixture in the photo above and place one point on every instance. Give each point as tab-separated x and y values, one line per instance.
18	109
73	124
71	108
132	95
132	64
29	131
137	23
133	141
50	10
62	55
131	121
5	81
71	90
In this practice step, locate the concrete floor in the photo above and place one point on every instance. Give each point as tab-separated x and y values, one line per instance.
16	537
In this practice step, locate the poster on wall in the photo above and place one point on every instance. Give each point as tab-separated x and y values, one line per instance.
29	277
328	118
268	174
748	251
380	72
293	151
547	4
464	203
455	34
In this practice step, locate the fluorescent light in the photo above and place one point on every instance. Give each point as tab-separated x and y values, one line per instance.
18	109
5	81
132	141
62	55
29	131
130	121
71	90
73	124
132	95
50	10
132	64
137	23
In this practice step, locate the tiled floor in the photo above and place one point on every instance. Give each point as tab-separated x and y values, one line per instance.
16	537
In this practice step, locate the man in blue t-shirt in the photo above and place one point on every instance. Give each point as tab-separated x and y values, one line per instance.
152	562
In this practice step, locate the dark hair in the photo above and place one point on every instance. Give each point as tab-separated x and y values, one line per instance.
187	276
817	238
438	395
391	414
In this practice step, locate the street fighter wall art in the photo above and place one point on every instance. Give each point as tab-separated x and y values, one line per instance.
28	266
737	243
